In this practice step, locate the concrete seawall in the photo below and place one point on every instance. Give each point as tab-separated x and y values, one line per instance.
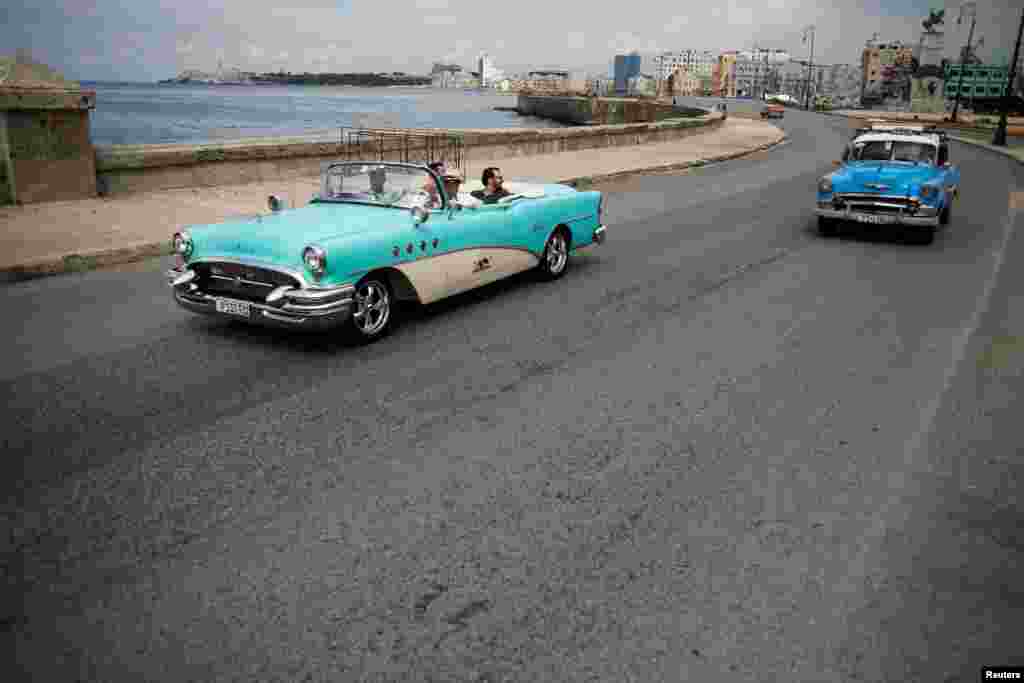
124	169
600	110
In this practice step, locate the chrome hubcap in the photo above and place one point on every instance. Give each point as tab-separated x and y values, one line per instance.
373	307
558	254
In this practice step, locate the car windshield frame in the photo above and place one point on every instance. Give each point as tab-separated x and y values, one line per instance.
893	148
407	193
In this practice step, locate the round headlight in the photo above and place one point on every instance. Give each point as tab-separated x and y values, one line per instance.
315	259
825	184
182	242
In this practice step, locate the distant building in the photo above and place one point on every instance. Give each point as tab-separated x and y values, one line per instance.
757	71
882	64
683	82
489	73
840	82
625	68
725	83
697	62
642	84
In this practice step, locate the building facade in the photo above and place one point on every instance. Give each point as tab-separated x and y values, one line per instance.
725	82
489	73
683	82
757	71
643	84
883	65
625	68
841	82
697	62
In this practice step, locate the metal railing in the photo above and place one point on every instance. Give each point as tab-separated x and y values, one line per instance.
404	145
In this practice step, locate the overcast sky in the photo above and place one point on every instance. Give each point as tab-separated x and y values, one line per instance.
146	40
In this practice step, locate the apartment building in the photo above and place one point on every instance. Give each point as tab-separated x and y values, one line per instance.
880	60
757	70
697	62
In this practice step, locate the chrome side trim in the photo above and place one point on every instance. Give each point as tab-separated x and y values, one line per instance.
578	218
278	294
178	278
317	309
315	295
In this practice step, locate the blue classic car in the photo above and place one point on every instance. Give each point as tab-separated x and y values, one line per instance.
893	176
377	233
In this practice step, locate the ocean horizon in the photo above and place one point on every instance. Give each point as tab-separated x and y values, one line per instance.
130	113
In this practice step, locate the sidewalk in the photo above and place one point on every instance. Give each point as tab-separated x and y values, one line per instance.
60	237
911	117
1014	147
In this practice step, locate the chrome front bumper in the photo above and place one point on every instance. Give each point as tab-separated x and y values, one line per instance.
285	307
885	219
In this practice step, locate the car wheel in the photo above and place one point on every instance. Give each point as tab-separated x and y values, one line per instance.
555	259
944	215
924	236
827	227
373	310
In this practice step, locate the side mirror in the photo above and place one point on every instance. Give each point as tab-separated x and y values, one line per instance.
419	215
275	203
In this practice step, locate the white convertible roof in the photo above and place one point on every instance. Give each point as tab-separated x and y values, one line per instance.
920	138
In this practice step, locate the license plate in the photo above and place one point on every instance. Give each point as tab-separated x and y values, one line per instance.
877	220
232	307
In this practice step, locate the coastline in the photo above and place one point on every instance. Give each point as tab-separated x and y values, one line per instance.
149	113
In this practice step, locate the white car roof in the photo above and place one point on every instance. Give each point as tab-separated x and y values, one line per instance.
920	138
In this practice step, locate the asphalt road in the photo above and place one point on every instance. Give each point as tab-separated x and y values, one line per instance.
721	448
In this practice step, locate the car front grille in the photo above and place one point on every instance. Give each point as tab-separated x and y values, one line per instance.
870	203
240	281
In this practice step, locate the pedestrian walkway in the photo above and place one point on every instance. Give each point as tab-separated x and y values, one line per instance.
59	236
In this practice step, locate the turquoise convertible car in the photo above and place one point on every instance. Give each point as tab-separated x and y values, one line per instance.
377	233
891	175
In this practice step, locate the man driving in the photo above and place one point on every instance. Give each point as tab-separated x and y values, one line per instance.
493	190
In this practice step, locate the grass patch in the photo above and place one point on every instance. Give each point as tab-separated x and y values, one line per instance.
1001	351
210	155
79	264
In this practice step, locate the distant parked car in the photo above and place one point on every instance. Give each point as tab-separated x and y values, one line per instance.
891	176
377	232
773	111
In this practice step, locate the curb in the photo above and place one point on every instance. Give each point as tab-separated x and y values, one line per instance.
991	148
77	263
696	163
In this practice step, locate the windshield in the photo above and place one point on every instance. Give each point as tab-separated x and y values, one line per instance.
382	185
891	150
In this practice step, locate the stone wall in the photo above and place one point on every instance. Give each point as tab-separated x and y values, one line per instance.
125	169
601	110
50	155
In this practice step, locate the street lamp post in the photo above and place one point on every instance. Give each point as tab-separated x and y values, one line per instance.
963	57
1000	136
810	66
